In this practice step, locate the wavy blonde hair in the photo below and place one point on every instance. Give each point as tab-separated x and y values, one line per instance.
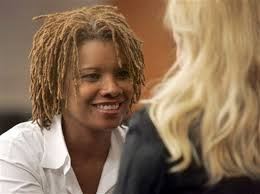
209	110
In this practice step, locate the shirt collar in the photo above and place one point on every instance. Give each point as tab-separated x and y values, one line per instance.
110	170
55	150
56	154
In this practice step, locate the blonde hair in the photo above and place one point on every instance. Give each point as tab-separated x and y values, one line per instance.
209	111
55	53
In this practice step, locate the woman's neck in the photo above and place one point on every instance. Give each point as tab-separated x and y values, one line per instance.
85	143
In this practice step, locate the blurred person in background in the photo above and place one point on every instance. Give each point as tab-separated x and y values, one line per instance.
86	72
200	132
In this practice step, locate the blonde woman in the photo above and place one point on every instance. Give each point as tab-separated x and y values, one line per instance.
200	132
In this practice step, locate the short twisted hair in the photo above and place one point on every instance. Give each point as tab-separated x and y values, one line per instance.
55	52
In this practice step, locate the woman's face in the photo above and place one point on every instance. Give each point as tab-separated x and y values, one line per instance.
105	90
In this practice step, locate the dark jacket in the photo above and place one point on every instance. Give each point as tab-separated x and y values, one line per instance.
145	168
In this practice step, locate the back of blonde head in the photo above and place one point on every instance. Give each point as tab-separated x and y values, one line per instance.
209	110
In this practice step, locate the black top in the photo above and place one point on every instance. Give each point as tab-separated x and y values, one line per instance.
145	167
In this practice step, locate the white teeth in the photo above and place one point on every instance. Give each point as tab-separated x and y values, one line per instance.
108	107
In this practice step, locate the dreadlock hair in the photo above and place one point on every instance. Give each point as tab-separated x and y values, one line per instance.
54	54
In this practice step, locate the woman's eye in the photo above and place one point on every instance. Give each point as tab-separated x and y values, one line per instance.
92	77
123	74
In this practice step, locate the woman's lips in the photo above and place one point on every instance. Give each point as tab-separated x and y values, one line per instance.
110	108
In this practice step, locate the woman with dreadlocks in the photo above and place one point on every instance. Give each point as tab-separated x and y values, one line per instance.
86	72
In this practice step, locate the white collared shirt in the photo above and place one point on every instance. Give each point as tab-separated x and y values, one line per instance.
37	161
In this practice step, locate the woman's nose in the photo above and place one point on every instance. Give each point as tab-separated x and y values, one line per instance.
110	87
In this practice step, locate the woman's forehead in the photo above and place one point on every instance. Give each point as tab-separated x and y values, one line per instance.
95	52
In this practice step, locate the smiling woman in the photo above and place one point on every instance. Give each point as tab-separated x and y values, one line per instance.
105	91
86	72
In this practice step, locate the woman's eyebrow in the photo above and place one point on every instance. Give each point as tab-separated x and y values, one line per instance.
88	69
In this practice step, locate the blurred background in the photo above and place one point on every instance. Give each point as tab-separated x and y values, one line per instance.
17	29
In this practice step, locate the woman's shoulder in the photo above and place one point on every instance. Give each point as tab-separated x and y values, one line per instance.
23	140
142	125
140	116
238	185
21	132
